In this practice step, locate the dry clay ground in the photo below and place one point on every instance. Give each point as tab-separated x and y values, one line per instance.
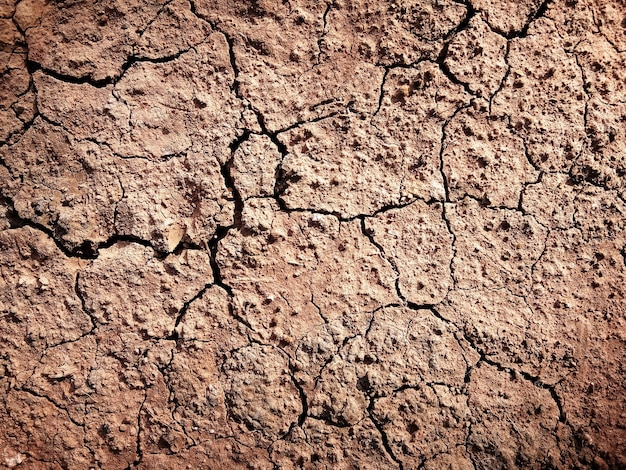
305	234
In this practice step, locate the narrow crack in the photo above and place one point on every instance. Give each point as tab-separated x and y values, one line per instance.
233	60
143	30
470	455
104	82
464	24
442	148
171	399
541	11
352	218
303	398
319	310
229	181
541	255
320	41
174	336
86	311
443	54
52	402
506	75
87	249
534	380
274	134
381	95
522	193
138	449
19	45
446	220
441	62
523	32
369	235
383	434
527	152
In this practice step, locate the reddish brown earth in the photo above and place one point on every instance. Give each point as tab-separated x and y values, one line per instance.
304	234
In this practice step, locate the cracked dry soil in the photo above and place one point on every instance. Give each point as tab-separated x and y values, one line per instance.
301	234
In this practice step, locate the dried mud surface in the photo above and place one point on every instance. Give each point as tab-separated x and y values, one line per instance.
302	234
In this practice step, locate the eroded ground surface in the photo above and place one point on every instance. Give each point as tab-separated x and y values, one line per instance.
313	234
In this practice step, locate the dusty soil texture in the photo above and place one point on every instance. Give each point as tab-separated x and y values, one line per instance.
306	234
